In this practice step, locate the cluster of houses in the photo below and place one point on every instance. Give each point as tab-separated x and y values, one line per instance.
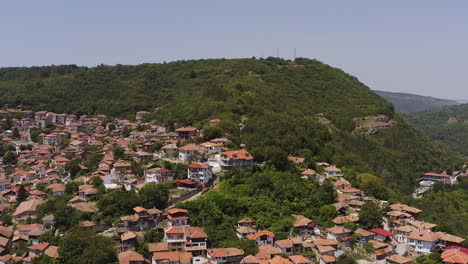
43	171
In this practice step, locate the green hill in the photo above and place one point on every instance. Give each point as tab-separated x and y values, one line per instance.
409	103
275	107
448	125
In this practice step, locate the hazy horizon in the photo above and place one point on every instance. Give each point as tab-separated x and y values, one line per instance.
413	47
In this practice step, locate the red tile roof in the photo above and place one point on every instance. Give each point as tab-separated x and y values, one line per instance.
381	232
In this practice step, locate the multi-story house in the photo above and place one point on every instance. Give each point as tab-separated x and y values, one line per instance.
158	175
188	151
226	255
186	133
175	238
263	237
236	158
200	173
177	217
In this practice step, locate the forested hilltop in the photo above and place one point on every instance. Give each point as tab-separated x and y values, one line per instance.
448	125
275	107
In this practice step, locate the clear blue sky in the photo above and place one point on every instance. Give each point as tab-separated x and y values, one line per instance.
399	45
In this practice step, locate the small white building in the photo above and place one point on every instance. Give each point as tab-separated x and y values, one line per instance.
333	171
263	237
200	173
158	175
423	241
188	151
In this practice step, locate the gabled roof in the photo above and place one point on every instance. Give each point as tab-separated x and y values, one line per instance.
186	129
398	259
301	221
338	230
245	220
189	147
245	230
199	166
194	232
404	207
158	247
40	247
173	256
455	254
325	242
259	234
298	259
52	251
363	232
344	219
28	206
308	172
129	256
177	210
381	232
225	252
328	259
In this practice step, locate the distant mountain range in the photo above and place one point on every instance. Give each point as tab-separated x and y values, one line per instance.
410	103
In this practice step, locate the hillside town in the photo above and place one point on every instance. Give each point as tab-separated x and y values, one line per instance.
48	155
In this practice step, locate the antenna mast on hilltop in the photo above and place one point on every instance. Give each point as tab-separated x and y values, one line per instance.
277	52
294	53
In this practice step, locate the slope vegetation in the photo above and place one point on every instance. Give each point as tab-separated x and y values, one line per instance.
448	125
273	106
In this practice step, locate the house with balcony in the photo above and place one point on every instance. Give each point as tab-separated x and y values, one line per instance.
196	240
188	151
263	237
333	171
175	238
177	216
440	177
236	158
337	233
200	173
186	133
226	255
158	175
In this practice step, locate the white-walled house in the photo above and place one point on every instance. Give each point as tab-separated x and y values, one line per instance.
337	233
200	173
158	175
333	171
263	237
236	158
188	151
423	241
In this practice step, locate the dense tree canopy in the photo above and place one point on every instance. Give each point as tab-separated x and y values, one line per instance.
271	105
80	246
371	215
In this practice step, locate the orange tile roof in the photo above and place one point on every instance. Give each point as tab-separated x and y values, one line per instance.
399	259
454	255
241	154
338	230
225	252
129	256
